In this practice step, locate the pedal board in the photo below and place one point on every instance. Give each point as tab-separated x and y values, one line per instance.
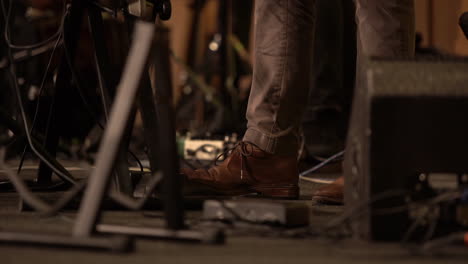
208	149
283	213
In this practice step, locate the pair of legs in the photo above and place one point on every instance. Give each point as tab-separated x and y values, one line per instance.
283	69
266	161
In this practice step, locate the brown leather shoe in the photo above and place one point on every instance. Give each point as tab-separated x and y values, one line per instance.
247	170
331	193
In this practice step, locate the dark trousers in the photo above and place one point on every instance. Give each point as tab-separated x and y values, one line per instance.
284	65
325	121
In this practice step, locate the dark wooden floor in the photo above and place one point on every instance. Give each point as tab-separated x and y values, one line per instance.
243	245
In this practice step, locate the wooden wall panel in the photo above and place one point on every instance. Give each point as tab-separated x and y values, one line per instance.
180	26
423	20
437	20
445	24
461	44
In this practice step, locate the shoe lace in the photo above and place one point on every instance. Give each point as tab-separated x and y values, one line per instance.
244	149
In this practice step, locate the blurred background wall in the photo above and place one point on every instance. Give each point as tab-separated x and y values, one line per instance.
437	21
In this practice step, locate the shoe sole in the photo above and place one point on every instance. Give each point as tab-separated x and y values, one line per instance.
290	192
259	191
327	200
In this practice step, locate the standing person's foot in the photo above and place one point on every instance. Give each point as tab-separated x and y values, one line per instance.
331	193
248	170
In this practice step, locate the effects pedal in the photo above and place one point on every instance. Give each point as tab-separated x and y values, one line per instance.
289	214
205	149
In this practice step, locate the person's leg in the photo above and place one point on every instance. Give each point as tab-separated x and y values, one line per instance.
325	120
266	161
386	30
284	35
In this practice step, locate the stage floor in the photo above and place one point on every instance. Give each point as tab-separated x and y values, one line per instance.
242	246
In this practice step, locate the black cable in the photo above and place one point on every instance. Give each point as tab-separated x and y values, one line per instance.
142	169
322	164
41	89
116	196
44	77
64	175
428	247
361	207
431	230
34	201
21	187
24	55
430	204
86	104
58	34
23	156
5	138
74	74
411	229
309	232
49	210
72	70
348	215
7	15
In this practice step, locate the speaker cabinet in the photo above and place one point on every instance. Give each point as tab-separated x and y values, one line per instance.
409	119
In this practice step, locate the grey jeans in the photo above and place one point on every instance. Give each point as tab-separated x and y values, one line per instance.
283	65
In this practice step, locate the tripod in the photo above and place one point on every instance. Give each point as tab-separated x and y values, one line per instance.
134	86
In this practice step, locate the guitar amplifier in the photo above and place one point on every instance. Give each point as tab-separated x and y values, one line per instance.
408	141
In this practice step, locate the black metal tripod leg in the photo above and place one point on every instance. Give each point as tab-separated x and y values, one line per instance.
99	182
214	236
101	58
58	113
146	103
116	243
161	80
122	181
96	26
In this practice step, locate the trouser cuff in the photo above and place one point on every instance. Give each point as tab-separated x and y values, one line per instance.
285	145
